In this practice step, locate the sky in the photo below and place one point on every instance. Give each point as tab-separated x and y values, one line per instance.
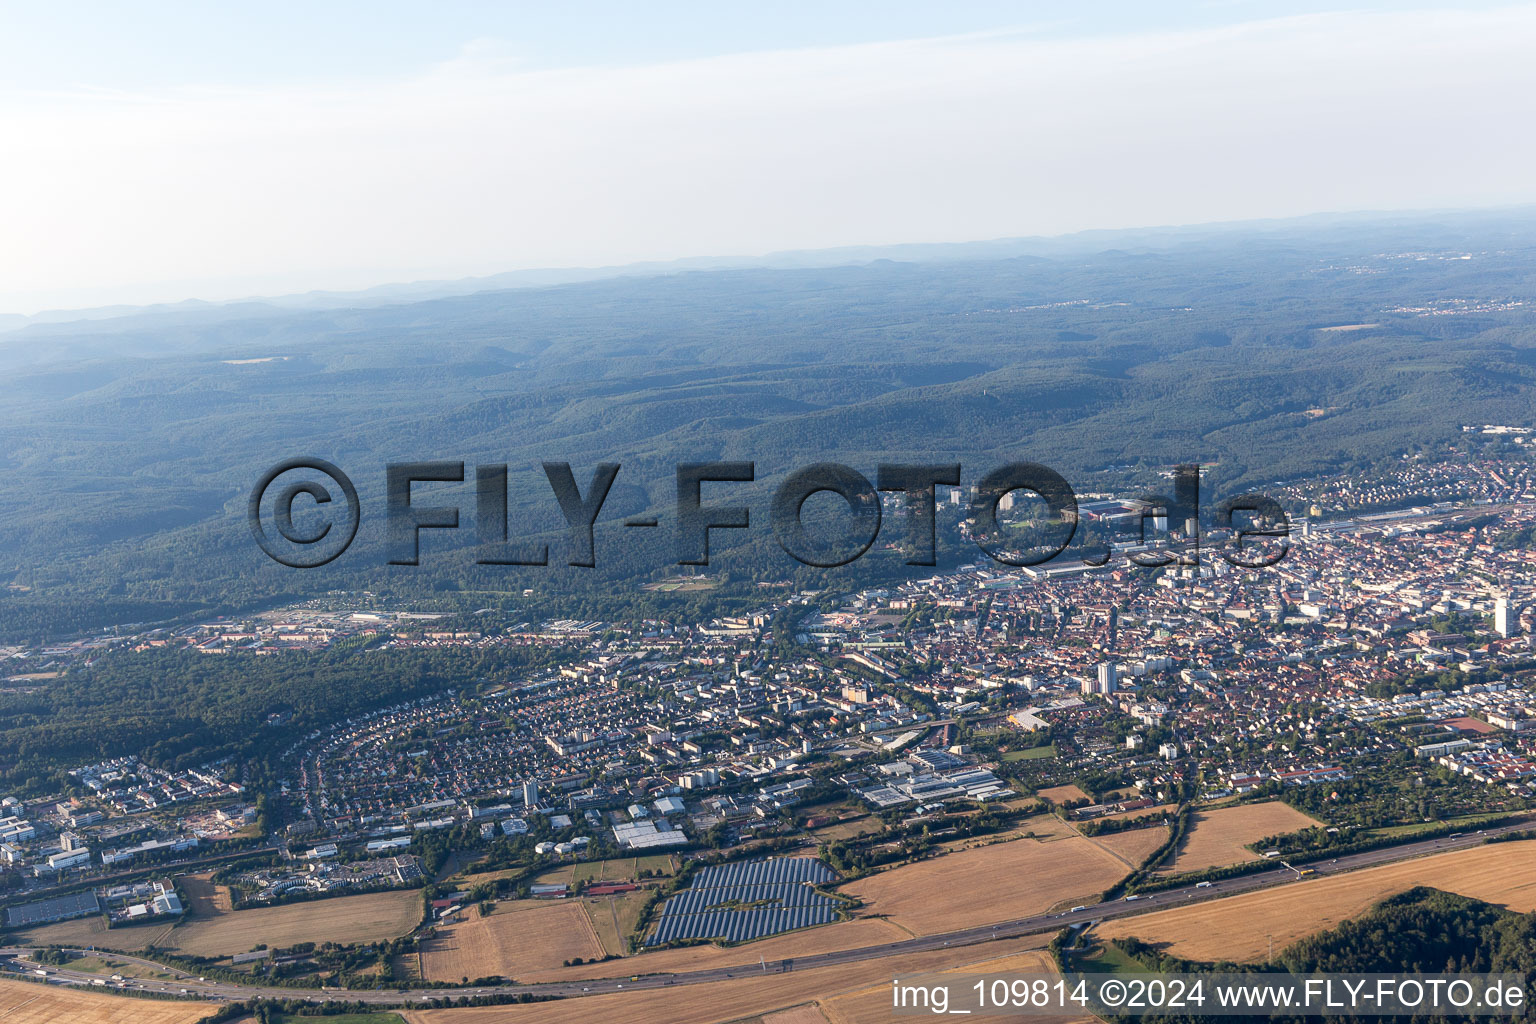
164	151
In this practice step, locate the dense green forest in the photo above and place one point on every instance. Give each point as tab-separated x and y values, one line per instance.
181	708
129	445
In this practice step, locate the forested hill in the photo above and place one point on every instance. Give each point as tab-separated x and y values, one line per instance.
129	445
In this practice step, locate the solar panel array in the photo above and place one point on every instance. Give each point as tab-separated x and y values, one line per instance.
760	872
780	890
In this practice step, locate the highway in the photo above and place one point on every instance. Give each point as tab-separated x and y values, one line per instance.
193	987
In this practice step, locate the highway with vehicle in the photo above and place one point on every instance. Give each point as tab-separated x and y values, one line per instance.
19	959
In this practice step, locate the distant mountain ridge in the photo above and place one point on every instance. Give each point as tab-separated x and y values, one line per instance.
1038	246
131	444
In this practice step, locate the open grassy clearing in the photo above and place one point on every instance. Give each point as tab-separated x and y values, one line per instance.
564	874
1471	821
111	965
1107	959
848	829
614	918
619	869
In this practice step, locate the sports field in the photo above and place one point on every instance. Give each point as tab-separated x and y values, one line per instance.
25	1003
1220	837
1239	927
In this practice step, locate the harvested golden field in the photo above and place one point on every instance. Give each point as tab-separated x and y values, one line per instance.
25	1003
1061	794
1043	827
840	935
212	932
365	918
808	1014
1220	837
519	940
1235	928
1134	845
990	883
90	931
872	1004
737	999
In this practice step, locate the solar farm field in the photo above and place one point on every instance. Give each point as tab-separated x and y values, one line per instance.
748	900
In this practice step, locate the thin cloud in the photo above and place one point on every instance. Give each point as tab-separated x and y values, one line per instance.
478	166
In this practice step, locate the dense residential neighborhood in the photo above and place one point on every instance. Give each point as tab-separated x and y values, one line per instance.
1381	636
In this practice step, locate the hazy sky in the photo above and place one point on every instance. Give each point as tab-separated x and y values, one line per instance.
157	152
